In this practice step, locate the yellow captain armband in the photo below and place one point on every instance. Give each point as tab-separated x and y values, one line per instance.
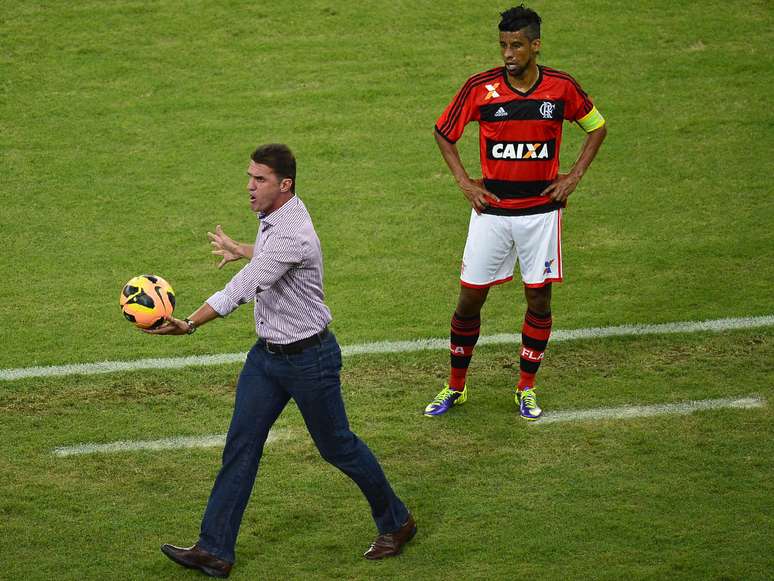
592	121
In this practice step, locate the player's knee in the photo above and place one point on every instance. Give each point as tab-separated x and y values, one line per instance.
471	300
539	300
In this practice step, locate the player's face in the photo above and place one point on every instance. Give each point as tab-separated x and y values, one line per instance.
267	191
519	53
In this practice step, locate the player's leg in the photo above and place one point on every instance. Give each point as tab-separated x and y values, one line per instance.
489	259
471	301
535	332
540	260
465	330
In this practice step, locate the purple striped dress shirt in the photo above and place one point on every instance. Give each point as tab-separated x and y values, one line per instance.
284	278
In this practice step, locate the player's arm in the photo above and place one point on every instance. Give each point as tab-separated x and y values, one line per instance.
227	248
478	196
565	184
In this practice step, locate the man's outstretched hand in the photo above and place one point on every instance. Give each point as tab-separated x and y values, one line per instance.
224	246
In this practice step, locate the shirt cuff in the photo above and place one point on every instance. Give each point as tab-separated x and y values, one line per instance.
222	303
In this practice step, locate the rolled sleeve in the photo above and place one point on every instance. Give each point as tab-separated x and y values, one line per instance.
222	303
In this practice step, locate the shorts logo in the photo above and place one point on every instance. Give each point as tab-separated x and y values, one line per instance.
547	110
492	94
548	266
520	150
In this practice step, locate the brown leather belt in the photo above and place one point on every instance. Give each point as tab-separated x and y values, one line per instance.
296	346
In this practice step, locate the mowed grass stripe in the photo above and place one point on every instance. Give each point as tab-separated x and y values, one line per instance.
614	413
714	325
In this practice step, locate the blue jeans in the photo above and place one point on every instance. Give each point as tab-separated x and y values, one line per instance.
266	384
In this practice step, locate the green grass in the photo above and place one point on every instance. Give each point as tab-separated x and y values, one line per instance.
125	130
682	497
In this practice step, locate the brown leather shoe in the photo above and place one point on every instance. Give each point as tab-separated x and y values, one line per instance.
390	544
197	558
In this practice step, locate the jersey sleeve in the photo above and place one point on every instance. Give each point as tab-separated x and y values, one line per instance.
579	108
458	113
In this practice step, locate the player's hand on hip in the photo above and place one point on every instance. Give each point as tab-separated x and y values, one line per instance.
561	187
479	197
224	246
171	326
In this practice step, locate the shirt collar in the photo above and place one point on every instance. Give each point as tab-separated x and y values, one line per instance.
280	213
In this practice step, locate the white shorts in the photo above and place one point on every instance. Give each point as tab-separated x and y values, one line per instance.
495	242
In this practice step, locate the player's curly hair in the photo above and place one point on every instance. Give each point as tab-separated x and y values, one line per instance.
279	158
521	18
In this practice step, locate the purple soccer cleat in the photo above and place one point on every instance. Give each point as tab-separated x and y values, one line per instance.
445	400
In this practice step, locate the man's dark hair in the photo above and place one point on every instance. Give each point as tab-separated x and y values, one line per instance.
521	18
279	158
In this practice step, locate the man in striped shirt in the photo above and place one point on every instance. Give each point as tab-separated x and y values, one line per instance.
295	357
517	205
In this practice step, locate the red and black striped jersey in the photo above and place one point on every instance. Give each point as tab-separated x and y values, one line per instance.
520	133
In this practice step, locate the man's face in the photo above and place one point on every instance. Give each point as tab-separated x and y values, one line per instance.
267	191
518	51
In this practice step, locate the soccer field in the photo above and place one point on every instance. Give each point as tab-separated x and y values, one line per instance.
126	130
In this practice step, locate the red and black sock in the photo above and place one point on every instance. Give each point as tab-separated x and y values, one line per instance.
464	334
534	338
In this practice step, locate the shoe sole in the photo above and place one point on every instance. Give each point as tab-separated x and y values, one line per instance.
536	418
213	572
206	570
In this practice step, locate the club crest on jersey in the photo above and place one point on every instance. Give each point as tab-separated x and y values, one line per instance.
492	94
547	110
520	150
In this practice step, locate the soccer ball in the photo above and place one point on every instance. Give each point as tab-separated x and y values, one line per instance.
146	299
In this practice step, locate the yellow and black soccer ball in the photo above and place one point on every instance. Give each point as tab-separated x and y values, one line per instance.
146	299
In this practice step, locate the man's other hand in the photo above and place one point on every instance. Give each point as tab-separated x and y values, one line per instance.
224	246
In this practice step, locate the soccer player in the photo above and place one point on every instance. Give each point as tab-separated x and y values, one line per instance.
295	357
517	206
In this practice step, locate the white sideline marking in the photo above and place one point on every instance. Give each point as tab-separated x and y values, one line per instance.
619	413
113	366
392	347
175	443
644	411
